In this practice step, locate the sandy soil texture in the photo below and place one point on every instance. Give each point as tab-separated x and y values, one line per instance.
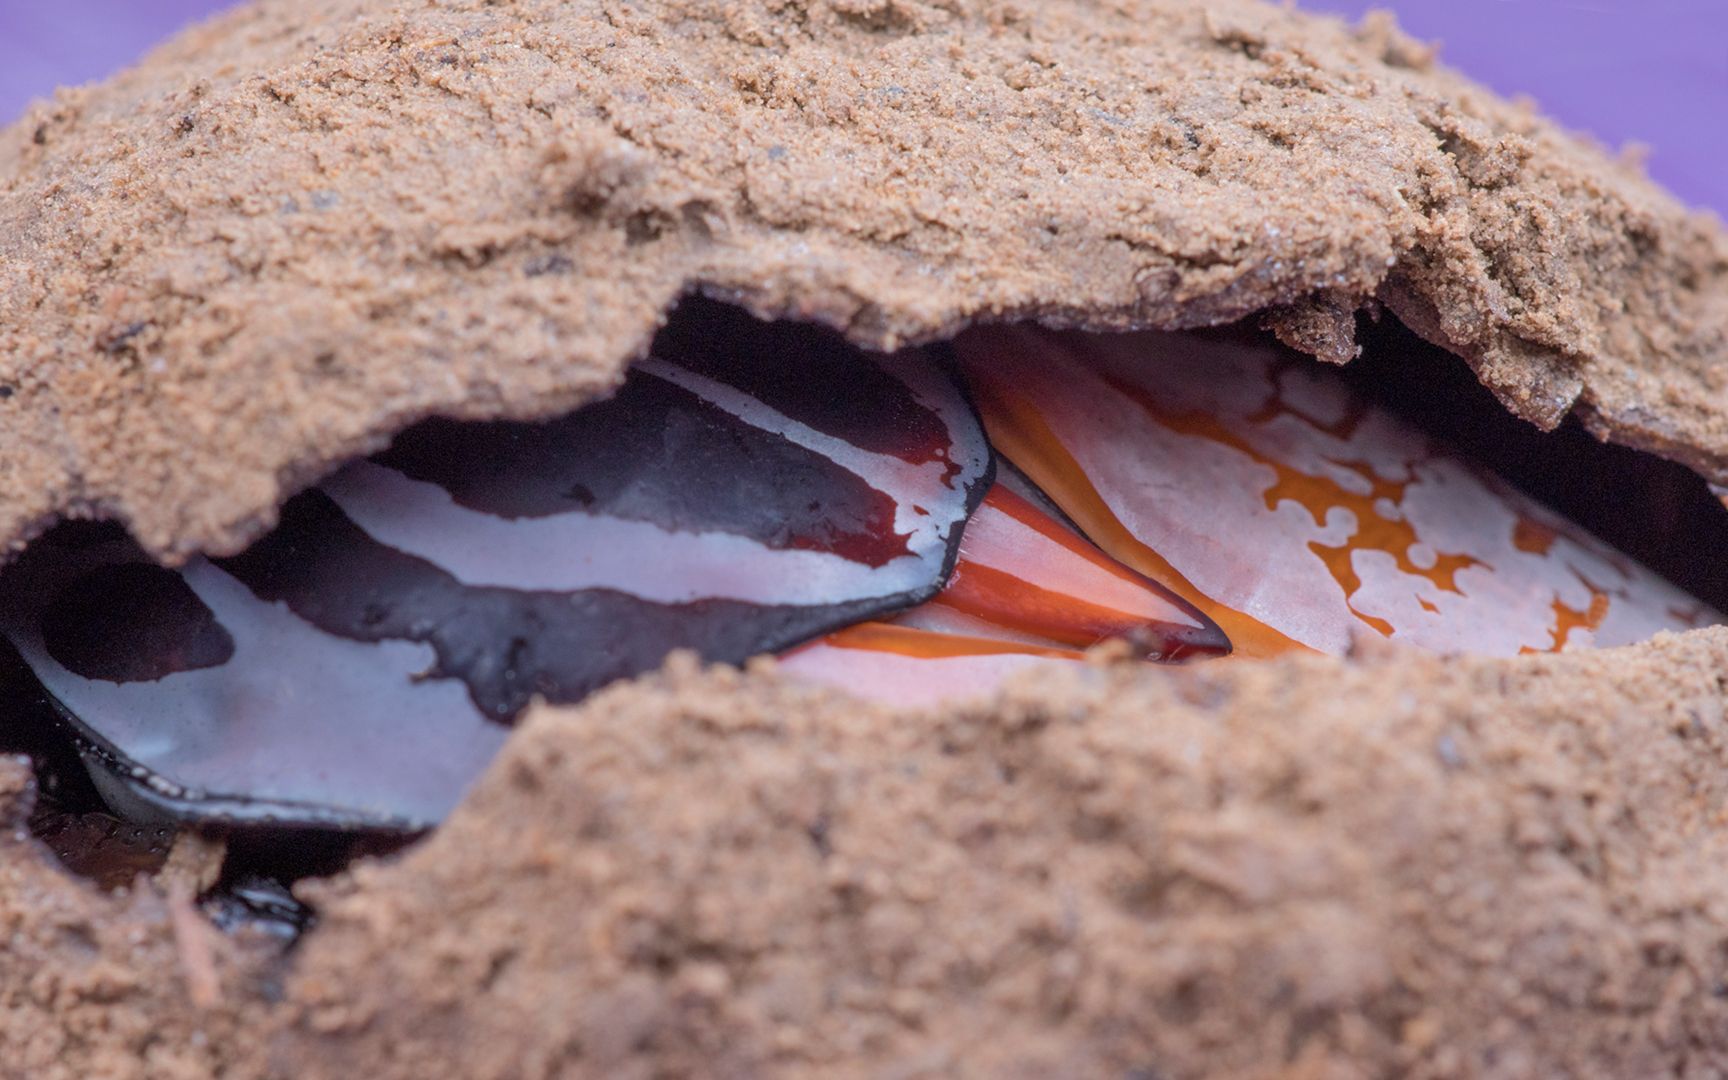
295	231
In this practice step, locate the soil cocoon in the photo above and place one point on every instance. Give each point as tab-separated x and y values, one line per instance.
299	229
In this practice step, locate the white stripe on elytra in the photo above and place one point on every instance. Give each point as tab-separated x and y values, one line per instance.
297	716
579	550
907	484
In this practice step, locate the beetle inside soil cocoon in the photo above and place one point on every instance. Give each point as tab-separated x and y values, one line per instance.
911	528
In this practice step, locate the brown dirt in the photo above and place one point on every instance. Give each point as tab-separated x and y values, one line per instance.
296	230
1468	868
1394	864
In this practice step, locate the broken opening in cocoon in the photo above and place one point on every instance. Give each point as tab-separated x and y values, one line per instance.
912	528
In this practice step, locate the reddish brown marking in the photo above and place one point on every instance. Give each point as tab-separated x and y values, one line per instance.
832	378
1320	495
1568	619
1020	433
931	644
1006	600
1050	596
632	457
1533	536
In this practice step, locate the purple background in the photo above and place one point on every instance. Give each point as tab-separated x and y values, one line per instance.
1648	71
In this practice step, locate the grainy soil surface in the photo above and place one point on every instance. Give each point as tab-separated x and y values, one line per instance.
294	231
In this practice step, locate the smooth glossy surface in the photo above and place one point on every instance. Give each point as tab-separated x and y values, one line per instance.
358	667
1028	593
1256	485
298	726
1025	573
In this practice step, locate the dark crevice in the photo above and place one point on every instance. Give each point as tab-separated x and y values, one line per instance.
1657	511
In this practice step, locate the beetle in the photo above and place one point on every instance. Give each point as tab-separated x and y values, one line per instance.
911	527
